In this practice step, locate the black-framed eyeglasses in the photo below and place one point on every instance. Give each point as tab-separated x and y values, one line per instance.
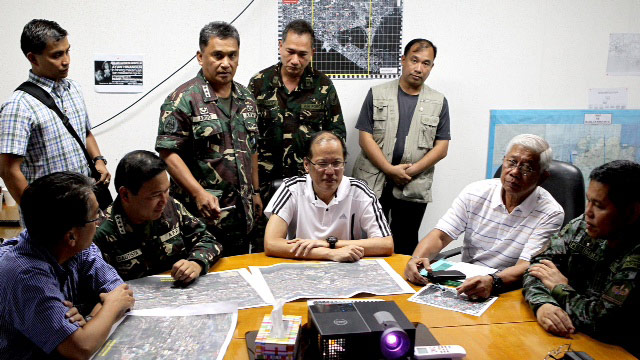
336	165
525	169
98	221
558	353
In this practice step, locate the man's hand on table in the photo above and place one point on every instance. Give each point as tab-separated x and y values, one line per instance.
120	300
477	287
73	314
302	247
185	271
349	253
548	273
412	270
555	320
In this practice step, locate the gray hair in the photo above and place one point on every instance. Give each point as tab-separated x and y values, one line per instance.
536	144
218	29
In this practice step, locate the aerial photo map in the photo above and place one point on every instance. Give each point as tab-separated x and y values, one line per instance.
224	286
355	39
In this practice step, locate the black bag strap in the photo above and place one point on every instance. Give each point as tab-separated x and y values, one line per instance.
45	98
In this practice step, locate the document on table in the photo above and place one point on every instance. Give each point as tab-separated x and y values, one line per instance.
447	298
470	270
200	331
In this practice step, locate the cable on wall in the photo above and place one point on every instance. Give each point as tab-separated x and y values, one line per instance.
167	78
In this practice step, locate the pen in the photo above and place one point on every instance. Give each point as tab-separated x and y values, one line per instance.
228	208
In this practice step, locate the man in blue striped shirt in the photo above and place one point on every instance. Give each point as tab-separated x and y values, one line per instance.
53	271
505	221
33	140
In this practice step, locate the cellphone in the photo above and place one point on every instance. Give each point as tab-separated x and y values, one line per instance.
445	275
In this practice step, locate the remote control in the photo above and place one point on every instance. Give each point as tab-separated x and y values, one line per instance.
439	352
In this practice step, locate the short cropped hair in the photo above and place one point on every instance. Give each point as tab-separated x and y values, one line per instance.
38	33
325	135
218	29
299	27
622	177
536	144
424	44
136	168
54	204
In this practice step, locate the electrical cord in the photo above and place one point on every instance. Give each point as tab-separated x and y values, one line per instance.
167	78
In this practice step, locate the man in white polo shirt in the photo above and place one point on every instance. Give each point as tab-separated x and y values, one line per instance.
325	215
505	221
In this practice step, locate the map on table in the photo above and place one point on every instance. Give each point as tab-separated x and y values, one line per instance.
224	286
201	331
575	137
355	39
447	298
291	281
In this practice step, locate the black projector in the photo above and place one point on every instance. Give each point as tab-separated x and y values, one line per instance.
361	330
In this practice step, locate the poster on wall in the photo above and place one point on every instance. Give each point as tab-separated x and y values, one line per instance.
355	39
624	54
118	73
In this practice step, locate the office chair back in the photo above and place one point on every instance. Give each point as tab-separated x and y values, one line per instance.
566	185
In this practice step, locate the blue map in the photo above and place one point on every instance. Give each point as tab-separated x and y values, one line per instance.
584	145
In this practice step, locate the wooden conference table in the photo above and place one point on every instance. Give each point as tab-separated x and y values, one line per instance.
507	330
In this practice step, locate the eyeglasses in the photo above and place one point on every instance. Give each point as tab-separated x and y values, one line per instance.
525	169
98	221
558	353
336	165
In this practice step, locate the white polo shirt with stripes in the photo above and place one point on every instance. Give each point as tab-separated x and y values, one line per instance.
492	236
354	212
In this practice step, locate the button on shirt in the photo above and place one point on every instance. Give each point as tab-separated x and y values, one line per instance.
30	129
494	237
32	288
354	212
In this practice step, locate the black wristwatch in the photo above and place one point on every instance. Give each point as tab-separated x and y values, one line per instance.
498	284
332	240
100	158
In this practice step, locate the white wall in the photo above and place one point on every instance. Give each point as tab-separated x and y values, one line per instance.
491	55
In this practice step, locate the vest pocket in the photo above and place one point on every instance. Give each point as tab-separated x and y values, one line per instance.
380	111
428	131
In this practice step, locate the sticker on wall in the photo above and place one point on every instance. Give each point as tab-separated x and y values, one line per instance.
118	73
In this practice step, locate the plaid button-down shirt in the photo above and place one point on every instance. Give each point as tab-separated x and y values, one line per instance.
30	129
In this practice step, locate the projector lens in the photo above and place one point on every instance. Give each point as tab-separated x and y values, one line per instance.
394	343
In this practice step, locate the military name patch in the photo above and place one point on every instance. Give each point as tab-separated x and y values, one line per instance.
312	106
128	256
249	115
267	102
170	234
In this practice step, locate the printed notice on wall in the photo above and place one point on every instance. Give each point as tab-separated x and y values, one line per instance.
118	73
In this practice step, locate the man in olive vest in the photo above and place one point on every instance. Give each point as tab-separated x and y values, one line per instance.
404	132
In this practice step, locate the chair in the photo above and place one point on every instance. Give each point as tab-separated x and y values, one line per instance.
565	184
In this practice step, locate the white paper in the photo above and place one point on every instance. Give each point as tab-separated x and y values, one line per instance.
597	119
239	286
292	281
118	73
447	298
624	54
189	331
608	99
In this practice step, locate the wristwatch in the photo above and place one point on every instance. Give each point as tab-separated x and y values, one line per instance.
332	240
100	158
498	284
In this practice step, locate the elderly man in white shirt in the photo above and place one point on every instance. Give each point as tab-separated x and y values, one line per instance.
325	215
506	221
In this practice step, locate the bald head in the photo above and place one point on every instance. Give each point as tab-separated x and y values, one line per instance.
323	137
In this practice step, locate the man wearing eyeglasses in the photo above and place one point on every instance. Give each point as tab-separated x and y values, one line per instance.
325	215
404	132
505	221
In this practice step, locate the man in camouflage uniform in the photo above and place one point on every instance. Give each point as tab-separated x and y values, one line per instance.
207	137
294	101
147	232
586	280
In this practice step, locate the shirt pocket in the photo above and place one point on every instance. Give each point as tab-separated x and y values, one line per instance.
428	128
207	134
311	121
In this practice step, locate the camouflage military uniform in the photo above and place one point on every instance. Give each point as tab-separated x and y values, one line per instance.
288	119
600	298
151	248
216	144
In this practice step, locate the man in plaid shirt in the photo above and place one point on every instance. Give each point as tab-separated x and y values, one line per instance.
33	139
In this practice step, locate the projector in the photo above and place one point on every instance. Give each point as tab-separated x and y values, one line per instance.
361	330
